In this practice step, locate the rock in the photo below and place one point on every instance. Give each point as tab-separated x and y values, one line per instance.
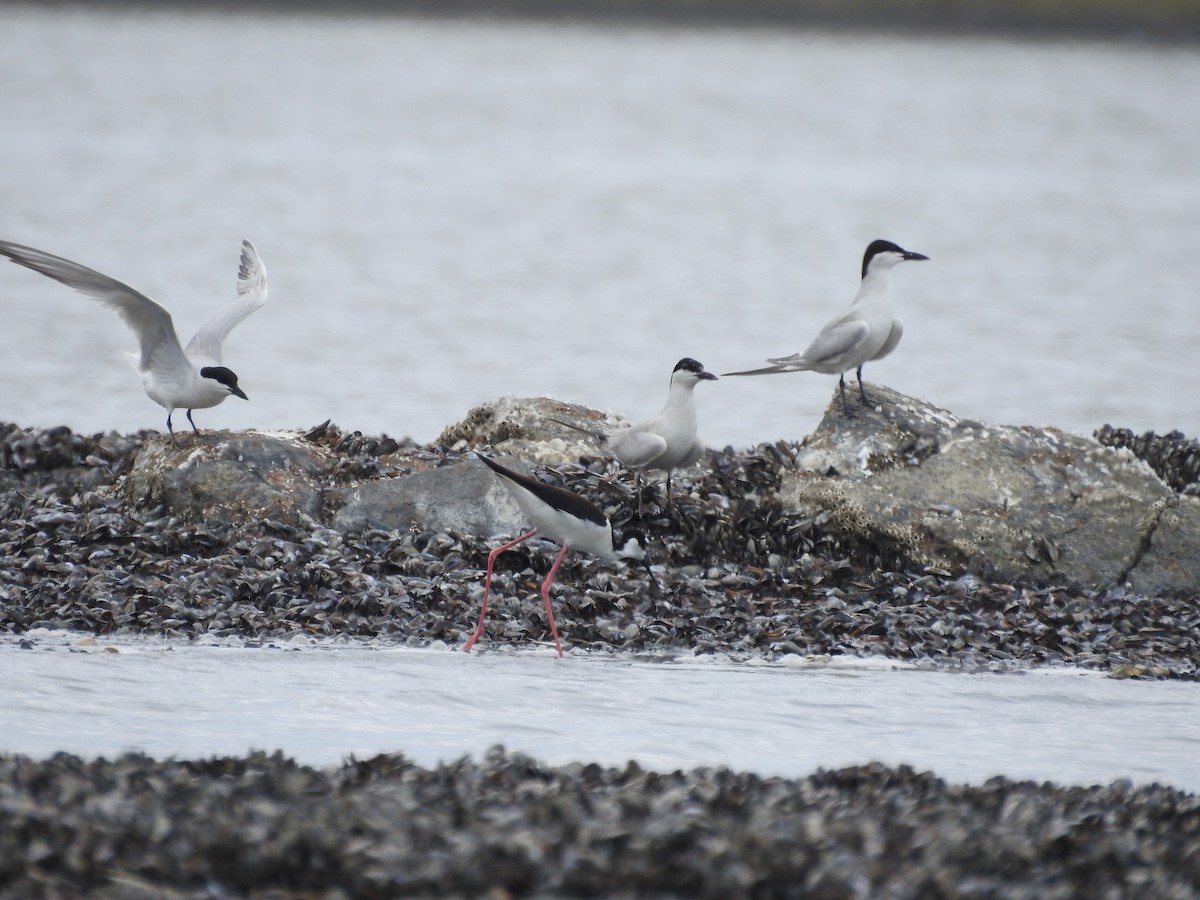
224	476
1175	458
1170	558
528	429
1015	504
294	479
465	498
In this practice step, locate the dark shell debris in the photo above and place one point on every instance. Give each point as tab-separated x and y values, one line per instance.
508	826
735	574
1175	458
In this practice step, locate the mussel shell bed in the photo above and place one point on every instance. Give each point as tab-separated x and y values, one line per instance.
737	575
507	826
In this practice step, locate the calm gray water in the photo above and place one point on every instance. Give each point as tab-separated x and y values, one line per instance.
454	211
320	703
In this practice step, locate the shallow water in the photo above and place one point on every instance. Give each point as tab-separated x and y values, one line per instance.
320	703
454	211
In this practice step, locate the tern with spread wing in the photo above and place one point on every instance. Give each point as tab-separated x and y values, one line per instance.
173	377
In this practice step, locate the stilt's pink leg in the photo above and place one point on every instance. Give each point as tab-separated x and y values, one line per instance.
487	585
546	595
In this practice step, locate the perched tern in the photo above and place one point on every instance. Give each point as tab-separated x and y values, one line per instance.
173	377
866	331
669	440
560	516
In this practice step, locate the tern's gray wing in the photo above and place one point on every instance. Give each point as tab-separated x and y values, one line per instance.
252	293
893	339
830	347
149	321
636	448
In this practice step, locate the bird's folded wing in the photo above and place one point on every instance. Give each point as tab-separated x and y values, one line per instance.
252	293
637	449
893	339
833	344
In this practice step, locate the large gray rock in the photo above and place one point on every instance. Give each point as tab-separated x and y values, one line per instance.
464	497
304	479
1016	504
227	476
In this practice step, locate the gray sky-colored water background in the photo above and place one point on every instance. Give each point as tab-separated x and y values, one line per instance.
454	210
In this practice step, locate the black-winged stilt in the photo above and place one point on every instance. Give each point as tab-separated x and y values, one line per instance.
560	516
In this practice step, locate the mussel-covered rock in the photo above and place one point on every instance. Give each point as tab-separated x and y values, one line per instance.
229	477
1174	457
1014	504
539	430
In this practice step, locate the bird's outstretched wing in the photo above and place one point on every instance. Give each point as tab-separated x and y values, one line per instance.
149	322
252	293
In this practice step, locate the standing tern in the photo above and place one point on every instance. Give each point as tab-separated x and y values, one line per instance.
866	331
669	440
560	516
173	378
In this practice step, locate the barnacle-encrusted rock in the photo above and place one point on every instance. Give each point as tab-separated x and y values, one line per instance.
1174	457
1010	503
532	429
230	477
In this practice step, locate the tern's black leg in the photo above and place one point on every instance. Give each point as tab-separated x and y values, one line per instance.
842	385
668	491
195	430
170	428
861	390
